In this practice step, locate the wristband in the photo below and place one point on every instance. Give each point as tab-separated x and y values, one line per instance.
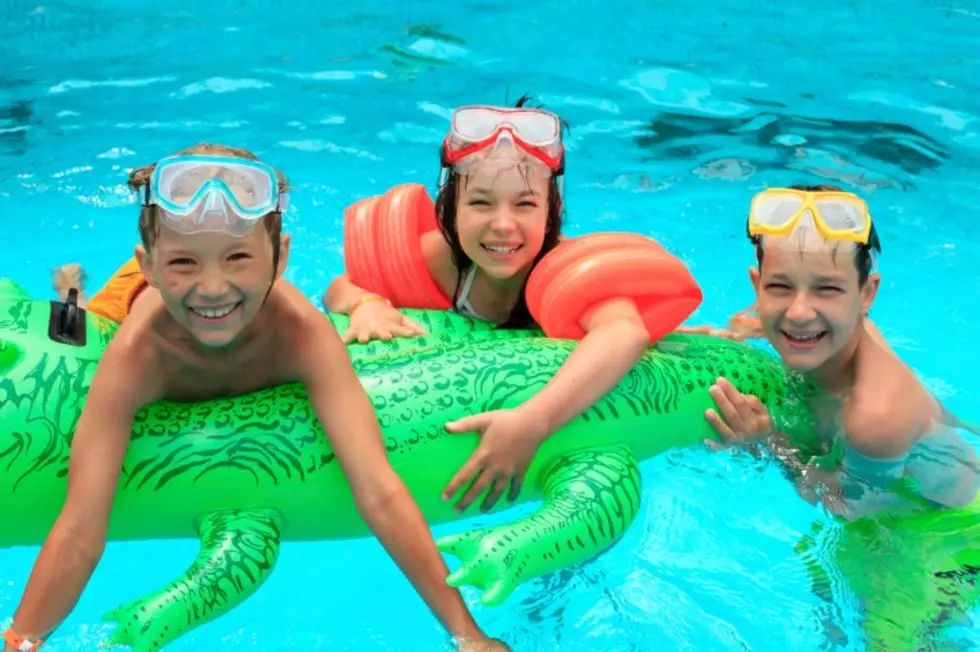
19	642
367	298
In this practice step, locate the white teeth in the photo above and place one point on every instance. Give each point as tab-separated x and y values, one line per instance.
804	338
501	250
214	313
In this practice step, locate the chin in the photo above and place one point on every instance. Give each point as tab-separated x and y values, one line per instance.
216	340
503	269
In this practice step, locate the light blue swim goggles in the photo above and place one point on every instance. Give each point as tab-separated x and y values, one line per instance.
198	193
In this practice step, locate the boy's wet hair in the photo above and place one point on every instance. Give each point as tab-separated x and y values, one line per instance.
446	200
863	253
148	223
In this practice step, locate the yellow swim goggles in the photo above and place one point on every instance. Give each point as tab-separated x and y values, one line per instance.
838	215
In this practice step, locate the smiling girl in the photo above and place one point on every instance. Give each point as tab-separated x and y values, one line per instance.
492	249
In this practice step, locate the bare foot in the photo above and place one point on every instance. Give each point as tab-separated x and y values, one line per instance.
67	277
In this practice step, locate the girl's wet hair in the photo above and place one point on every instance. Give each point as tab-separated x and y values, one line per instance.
446	207
148	223
864	254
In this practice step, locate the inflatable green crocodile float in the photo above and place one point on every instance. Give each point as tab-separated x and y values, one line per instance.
243	475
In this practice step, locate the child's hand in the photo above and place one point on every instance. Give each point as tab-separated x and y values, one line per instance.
746	418
378	320
508	441
482	645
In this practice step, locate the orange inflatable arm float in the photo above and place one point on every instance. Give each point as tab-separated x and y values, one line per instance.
383	250
580	273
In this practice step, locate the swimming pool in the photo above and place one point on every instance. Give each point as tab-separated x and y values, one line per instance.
679	112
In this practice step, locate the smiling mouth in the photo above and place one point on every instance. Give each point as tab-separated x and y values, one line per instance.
501	249
215	314
804	340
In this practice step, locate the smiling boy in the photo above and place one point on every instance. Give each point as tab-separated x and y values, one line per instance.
204	313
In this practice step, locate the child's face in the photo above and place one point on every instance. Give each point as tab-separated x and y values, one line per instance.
502	217
810	303
213	284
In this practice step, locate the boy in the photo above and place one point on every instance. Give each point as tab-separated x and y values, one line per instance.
203	306
814	287
902	480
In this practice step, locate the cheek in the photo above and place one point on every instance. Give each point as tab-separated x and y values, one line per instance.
468	225
534	231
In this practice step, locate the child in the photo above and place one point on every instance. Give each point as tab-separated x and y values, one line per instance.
899	475
203	306
814	287
499	213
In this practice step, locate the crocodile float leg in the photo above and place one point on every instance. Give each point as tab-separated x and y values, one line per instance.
239	548
590	497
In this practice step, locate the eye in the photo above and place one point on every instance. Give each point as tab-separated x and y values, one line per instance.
829	289
180	262
527	203
239	255
479	202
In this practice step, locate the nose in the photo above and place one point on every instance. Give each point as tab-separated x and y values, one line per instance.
800	309
212	284
502	221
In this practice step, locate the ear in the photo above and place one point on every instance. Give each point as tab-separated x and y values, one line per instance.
145	262
284	241
869	292
755	277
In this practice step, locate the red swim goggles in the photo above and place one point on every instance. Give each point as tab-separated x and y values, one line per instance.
475	128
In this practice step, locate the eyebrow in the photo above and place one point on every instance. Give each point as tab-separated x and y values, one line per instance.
819	280
486	191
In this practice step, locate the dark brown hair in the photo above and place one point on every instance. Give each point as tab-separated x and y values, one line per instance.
446	207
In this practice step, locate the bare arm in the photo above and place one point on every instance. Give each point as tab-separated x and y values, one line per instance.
615	340
348	418
75	544
341	295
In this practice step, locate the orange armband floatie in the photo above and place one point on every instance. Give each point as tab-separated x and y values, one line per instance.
580	273
383	250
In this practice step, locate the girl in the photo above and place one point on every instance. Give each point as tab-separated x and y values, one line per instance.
499	212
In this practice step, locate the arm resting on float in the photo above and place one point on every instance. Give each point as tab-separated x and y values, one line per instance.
615	341
341	294
75	544
348	418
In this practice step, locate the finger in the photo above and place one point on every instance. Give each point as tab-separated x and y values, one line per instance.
725	406
467	472
737	398
349	336
411	323
500	482
475	423
479	485
364	336
405	331
713	445
516	484
756	406
723	430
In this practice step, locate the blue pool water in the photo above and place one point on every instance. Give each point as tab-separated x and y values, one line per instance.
679	112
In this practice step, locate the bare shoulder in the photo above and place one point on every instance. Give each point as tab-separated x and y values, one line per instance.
302	330
439	259
889	409
132	371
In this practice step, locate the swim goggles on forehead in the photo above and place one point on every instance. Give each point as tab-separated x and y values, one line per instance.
475	128
199	193
837	215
